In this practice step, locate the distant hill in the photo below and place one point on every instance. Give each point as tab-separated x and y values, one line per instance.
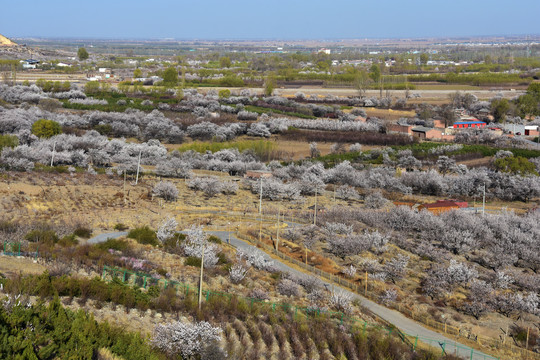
4	41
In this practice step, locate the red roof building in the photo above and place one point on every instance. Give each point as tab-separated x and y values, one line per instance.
469	124
445	205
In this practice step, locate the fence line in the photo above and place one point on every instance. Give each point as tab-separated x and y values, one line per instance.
146	280
368	293
14	249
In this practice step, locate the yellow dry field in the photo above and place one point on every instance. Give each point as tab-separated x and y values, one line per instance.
300	149
11	265
389	113
98	202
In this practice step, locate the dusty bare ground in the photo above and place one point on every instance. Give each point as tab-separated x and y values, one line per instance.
300	149
98	201
11	265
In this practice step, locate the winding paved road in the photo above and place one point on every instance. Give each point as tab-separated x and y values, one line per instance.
402	322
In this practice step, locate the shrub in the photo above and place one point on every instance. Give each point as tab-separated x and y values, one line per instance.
83	232
166	190
45	236
68	240
341	301
114	244
192	261
288	288
375	200
104	129
259	293
185	339
214	239
46	128
225	93
49	104
237	273
8	141
143	235
172	244
120	227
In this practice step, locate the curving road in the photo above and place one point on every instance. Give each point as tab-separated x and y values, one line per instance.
394	317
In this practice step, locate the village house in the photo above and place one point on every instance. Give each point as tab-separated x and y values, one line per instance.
29	63
441	206
473	123
427	133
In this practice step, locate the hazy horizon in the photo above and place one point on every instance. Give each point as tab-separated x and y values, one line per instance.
533	36
281	20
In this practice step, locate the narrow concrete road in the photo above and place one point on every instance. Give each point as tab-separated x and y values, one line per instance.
406	325
394	317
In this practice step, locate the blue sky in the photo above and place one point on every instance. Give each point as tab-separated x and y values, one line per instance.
273	19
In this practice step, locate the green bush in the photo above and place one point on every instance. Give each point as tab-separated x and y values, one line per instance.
144	235
45	236
120	227
104	129
8	226
114	244
171	244
83	232
223	259
214	239
516	165
225	93
44	128
231	81
8	141
192	261
54	332
68	240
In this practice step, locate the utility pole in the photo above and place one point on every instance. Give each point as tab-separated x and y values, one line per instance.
201	277
365	286
315	214
125	200
260	198
53	150
484	201
138	167
277	231
260	210
229	223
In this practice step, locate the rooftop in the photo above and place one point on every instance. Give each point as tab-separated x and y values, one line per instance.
422	129
468	122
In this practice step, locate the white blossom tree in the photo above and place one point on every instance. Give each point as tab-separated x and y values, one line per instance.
197	242
166	190
166	229
184	338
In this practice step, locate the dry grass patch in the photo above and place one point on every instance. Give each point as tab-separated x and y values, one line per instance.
11	265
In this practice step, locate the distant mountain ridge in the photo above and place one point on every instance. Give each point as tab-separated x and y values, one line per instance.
4	41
